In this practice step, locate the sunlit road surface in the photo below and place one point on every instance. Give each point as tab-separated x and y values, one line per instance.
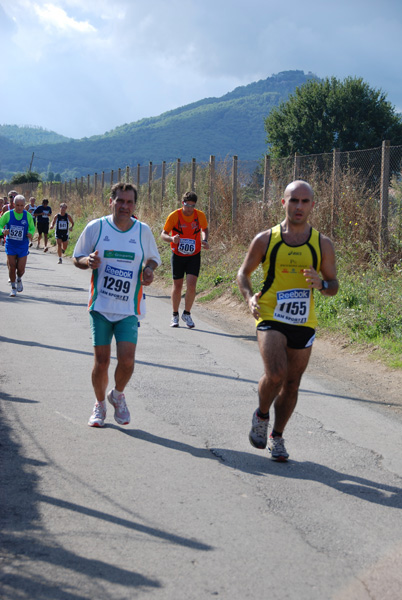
177	504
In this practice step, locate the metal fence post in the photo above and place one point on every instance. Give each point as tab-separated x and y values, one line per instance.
383	238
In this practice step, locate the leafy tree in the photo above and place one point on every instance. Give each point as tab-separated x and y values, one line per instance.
328	114
50	176
28	177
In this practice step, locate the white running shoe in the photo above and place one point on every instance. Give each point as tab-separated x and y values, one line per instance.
175	321
259	432
276	446
121	412
97	419
20	287
13	291
188	320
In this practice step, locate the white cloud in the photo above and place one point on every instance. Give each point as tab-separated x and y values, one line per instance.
52	17
86	67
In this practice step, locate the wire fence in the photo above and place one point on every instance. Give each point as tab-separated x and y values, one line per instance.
363	187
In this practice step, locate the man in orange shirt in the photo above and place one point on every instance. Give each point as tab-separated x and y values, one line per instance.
186	229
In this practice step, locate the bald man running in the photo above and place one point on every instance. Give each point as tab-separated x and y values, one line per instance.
296	259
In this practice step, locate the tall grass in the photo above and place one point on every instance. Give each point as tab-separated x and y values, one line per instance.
367	308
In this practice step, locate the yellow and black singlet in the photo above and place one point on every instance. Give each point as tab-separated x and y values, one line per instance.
285	295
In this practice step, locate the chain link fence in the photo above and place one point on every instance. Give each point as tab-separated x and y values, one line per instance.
358	193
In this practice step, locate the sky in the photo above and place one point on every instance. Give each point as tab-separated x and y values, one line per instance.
84	67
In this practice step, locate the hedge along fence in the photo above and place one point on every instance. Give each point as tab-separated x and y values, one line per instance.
352	189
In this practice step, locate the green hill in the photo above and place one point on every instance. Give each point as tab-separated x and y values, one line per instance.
31	135
231	124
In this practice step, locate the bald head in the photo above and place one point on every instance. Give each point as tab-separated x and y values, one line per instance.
298	186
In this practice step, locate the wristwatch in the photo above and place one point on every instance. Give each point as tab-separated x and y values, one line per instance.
324	285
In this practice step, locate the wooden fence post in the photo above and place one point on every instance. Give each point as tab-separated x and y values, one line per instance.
336	162
211	185
138	178
383	237
88	183
150	182
111	177
103	180
127	174
119	175
267	174
178	179
193	172
296	166
234	190
95	182
163	182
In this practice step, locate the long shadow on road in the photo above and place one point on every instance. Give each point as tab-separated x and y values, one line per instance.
346	483
35	564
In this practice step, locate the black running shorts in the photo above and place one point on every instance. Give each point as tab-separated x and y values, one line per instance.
298	336
185	264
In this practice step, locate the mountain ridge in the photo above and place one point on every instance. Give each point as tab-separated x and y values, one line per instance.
220	126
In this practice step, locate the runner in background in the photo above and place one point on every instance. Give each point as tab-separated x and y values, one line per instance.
17	224
186	229
31	207
61	221
42	213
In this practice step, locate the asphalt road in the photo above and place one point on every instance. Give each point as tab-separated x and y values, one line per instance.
178	505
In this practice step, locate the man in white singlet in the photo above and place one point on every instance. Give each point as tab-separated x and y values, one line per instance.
122	254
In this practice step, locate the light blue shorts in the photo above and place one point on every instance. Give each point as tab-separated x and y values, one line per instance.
103	330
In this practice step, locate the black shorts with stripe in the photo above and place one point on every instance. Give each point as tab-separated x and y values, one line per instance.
298	336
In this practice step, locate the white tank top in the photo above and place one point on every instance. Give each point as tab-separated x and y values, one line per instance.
116	286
